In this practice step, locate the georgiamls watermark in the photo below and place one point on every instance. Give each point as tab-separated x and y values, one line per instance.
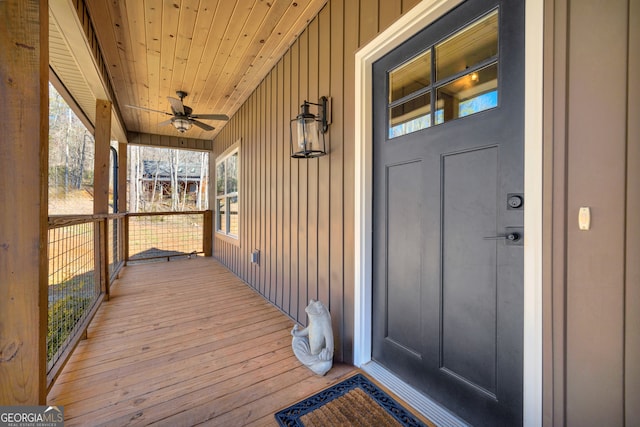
31	416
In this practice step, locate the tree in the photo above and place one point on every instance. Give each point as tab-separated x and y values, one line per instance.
167	171
71	153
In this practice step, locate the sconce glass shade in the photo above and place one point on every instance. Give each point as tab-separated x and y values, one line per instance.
307	133
182	125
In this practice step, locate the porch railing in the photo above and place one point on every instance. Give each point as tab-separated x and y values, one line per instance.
167	234
75	283
115	245
87	252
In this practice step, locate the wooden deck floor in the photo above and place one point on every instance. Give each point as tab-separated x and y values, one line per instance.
184	343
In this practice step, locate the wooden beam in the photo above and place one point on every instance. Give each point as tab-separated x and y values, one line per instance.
164	141
122	176
23	195
207	244
102	157
101	187
123	153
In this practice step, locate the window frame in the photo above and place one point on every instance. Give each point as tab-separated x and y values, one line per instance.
221	232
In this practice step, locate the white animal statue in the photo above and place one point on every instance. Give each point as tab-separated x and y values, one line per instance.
313	345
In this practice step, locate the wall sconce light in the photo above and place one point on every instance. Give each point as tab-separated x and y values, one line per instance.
307	130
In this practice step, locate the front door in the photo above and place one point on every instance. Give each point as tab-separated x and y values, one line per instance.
448	211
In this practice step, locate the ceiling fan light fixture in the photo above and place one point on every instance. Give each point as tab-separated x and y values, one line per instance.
182	117
181	124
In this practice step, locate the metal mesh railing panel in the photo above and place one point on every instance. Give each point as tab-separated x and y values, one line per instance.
114	245
159	236
72	286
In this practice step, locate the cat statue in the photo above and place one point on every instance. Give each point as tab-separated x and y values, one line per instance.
313	345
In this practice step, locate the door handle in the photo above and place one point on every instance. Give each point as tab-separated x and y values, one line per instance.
513	237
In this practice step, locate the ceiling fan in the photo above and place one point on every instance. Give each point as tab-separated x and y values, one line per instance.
183	116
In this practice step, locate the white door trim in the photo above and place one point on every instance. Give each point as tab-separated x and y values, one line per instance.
409	24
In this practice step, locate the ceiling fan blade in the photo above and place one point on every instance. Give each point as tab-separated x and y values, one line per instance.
176	105
210	116
148	109
202	125
166	122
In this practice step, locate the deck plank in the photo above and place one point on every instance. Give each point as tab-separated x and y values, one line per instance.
184	343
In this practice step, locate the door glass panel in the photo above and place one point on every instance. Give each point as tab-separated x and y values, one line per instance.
410	116
469	94
470	46
410	77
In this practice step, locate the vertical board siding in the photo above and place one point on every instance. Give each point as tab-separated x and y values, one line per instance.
286	187
336	170
632	309
312	183
303	188
299	213
295	235
352	12
595	260
323	178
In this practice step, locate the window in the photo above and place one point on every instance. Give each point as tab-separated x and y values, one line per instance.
227	174
456	77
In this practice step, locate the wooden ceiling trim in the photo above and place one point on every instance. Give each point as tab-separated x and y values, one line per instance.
166	141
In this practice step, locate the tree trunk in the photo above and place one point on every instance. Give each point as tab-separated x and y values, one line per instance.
81	172
155	184
133	161
175	196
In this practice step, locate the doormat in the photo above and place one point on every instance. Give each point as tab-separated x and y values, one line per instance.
354	401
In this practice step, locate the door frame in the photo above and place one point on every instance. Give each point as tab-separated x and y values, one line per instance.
405	27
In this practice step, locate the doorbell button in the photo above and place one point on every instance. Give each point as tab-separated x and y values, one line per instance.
584	218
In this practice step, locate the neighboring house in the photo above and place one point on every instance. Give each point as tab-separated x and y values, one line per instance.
158	173
488	259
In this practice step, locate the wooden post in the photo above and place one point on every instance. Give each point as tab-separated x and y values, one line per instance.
102	157
122	196
122	176
24	71
207	243
101	187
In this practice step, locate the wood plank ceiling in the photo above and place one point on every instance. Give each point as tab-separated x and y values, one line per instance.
217	51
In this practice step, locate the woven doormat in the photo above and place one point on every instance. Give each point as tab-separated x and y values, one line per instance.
355	401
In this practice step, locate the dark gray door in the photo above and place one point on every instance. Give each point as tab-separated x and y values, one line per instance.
448	211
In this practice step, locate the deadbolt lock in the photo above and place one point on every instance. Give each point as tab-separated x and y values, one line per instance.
515	201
